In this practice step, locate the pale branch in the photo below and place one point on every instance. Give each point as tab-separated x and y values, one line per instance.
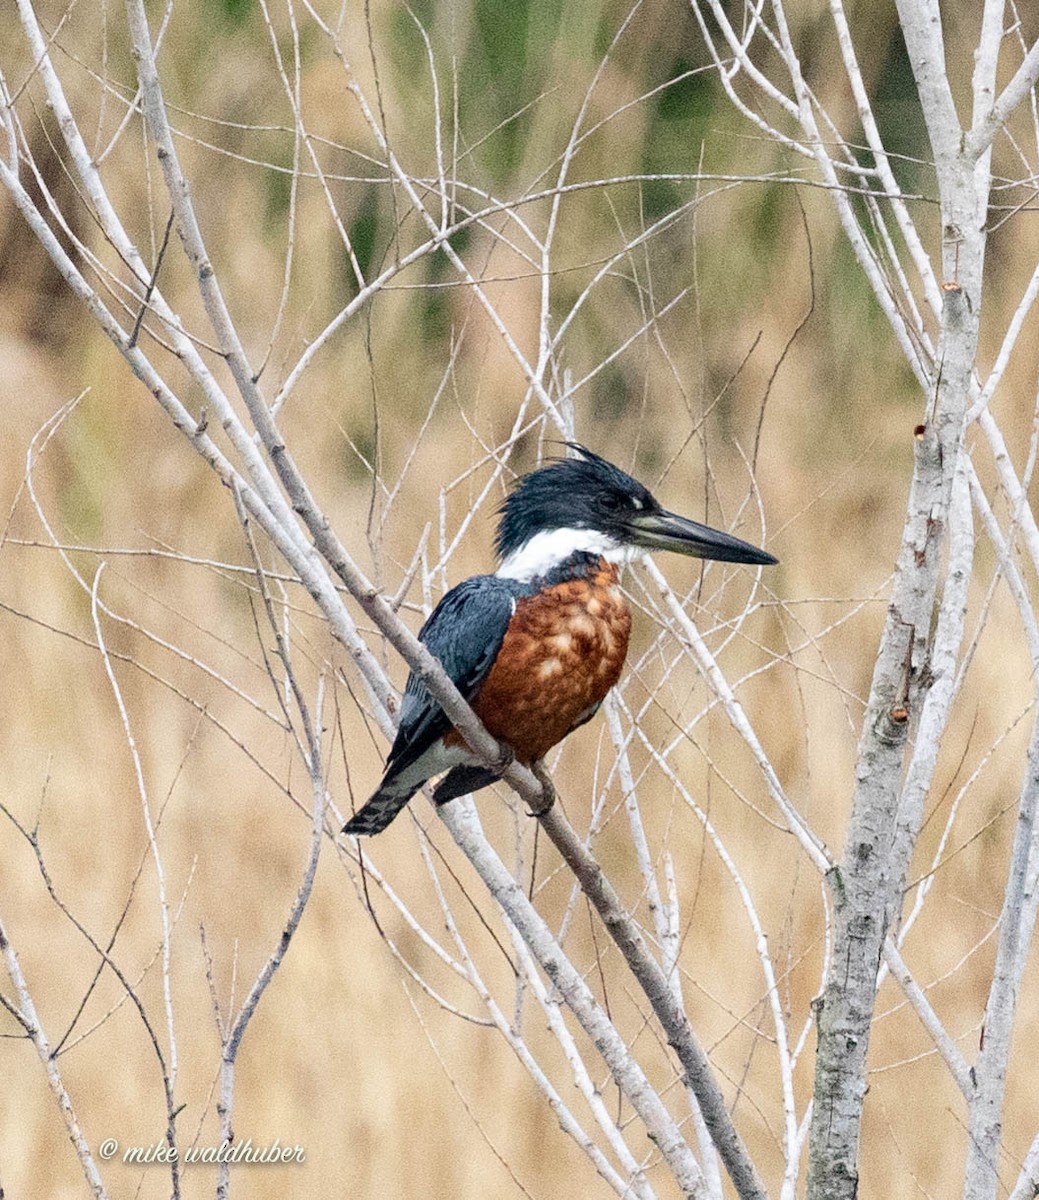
302	502
103	953
906	226
28	1018
815	146
1008	566
1017	924
220	319
184	346
635	1180
170	1067
914	993
986	60
809	840
369	872
231	1037
654	982
784	1057
1024	517
925	45
1027	1186
37	447
868	885
1010	338
941	667
7	116
640	843
988	124
408	184
670	949
285	533
292	95
463	824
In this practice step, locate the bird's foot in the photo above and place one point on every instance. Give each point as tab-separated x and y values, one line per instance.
548	789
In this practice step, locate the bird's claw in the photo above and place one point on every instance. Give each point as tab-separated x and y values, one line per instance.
548	789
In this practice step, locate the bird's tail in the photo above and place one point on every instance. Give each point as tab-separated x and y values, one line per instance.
379	811
461	781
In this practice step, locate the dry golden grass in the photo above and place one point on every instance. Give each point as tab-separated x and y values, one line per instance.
389	1095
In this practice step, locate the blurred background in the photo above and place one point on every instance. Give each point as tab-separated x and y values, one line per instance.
733	357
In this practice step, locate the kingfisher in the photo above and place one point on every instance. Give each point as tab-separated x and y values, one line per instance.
535	647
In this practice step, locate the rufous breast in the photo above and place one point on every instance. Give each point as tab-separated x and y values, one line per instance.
563	651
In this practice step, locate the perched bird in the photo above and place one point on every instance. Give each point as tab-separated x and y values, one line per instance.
535	647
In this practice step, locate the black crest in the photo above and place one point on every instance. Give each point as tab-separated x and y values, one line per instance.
570	493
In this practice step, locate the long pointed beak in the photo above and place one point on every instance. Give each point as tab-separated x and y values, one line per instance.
662	530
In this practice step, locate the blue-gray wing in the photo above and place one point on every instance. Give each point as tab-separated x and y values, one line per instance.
465	631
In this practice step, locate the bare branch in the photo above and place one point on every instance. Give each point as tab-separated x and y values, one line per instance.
27	1016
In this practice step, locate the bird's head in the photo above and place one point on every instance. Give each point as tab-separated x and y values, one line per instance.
588	505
